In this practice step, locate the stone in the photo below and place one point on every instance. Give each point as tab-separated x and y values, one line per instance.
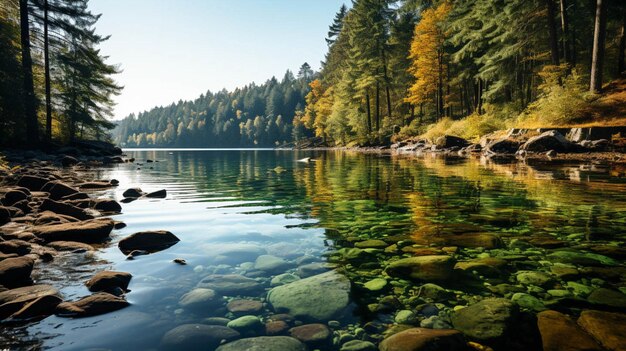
32	183
315	336
96	304
13	300
535	278
70	246
276	328
490	320
5	215
528	302
432	267
608	328
39	307
235	254
65	209
160	194
202	299
271	264
488	266
435	292
283	279
13	196
95	185
471	240
108	280
15	272
247	325
550	140
608	298
358	345
422	339
231	284
240	306
503	146
448	141
197	337
318	298
371	244
406	317
16	246
560	333
58	190
264	343
311	269
151	241
107	206
90	231
375	284
68	161
133	192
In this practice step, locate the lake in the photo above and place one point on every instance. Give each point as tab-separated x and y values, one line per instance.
543	236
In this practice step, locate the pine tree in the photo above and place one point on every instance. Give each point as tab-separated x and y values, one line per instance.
335	28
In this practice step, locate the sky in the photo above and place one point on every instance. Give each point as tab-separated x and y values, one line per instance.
170	50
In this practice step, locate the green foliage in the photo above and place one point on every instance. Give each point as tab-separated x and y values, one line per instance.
471	127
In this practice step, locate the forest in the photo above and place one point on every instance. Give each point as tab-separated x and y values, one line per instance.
55	85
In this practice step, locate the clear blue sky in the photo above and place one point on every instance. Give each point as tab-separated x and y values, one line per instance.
178	49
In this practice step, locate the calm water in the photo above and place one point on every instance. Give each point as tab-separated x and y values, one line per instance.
227	207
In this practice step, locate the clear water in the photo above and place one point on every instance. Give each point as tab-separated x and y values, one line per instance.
222	201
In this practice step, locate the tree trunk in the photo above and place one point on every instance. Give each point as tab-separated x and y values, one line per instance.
554	43
369	113
622	45
597	57
440	88
46	54
377	106
565	29
30	100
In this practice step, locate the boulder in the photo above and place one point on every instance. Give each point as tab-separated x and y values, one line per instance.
65	209
503	146
264	343
98	303
40	307
535	278
70	246
490	320
95	185
431	267
448	141
202	299
243	306
271	264
560	333
247	325
5	215
231	284
608	298
608	328
550	140
151	241
107	206
133	192
315	336
15	246
109	280
91	231
49	217
58	190
159	194
197	337
68	161
14	300
318	298
358	345
13	196
423	339
32	183
15	272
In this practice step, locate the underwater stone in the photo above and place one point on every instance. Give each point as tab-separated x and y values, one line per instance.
528	301
375	284
490	320
435	267
271	264
283	279
424	339
196	337
247	325
606	327
559	332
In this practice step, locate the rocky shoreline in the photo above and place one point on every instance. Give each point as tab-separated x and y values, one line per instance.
432	291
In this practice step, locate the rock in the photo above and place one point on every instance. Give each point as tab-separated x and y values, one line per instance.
271	264
108	206
202	299
488	266
375	284
58	190
247	325
608	298
133	192
161	194
283	279
15	272
581	258
528	302
216	321
197	337
435	292
91	231
13	196
560	333
64	209
535	278
371	244
16	246
264	343
314	268
432	267
5	215
13	300
487	241
70	246
151	241
550	140
317	298
231	284
276	328
40	307
358	345
551	154
95	185
503	146
422	339
315	336
32	183
606	327
68	161
49	217
490	320
448	141
241	307
108	280
406	317
235	254
98	303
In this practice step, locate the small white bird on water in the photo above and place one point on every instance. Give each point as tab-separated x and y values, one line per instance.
306	159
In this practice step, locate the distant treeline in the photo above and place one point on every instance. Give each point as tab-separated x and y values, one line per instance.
54	83
255	115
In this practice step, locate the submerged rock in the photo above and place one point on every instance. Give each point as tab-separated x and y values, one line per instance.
151	241
550	140
315	336
15	272
606	327
65	209
432	267
241	306
13	300
98	303
318	298
559	332
424	339
271	264
231	284
108	280
490	320
264	343
200	337
201	298
90	231
133	192
247	325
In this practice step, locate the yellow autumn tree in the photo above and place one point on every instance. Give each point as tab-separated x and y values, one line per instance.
428	64
319	102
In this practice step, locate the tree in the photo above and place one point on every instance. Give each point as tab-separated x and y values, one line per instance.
30	99
305	72
597	57
335	28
